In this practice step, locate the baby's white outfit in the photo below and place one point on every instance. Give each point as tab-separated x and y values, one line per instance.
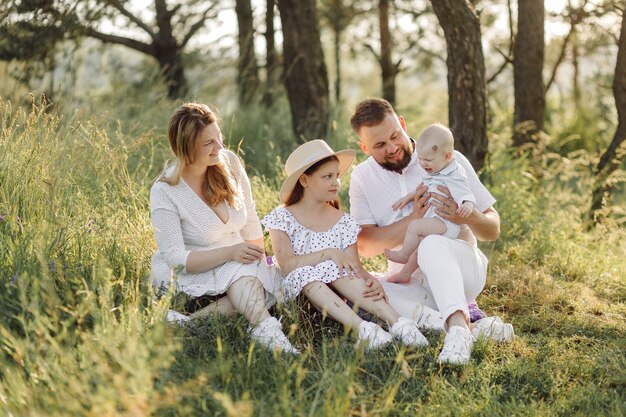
452	176
182	222
341	235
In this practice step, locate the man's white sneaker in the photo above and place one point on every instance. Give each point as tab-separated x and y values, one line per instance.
177	318
407	331
457	346
373	335
269	334
493	328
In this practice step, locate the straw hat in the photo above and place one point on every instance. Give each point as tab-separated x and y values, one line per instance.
306	155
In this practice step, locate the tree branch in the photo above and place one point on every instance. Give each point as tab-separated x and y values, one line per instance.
578	15
506	62
371	48
120	40
508	58
119	6
196	26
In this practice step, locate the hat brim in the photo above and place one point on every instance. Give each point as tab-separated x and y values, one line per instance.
346	158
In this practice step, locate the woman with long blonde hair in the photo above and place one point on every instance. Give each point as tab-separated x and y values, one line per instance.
208	234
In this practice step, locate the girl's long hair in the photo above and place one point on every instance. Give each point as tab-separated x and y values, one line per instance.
184	127
298	190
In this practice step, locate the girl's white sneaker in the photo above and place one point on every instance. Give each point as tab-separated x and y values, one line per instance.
372	335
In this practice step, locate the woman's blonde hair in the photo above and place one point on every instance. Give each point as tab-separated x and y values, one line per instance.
184	127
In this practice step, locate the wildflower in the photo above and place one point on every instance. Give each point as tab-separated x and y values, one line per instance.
13	279
52	266
269	260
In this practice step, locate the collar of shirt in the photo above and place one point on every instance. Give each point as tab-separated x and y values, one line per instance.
447	169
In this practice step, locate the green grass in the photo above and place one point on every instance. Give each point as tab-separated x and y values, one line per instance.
82	333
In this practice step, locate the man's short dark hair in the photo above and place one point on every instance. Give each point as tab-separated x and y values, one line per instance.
370	112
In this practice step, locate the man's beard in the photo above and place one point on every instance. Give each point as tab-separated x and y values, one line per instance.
397	167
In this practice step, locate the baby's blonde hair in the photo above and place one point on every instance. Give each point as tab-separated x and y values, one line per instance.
436	138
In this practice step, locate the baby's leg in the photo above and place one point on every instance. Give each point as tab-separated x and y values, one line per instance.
404	275
328	302
416	230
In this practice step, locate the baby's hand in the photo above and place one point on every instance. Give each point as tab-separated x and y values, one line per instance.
403	201
465	209
398	204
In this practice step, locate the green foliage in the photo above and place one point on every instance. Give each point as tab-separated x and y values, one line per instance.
82	334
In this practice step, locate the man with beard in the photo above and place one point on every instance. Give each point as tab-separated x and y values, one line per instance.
453	271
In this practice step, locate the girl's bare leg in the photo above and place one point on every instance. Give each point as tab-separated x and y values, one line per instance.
353	289
416	230
327	301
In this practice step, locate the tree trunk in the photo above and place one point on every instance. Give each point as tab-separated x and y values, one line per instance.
576	73
389	71
270	57
306	78
614	155
466	78
247	68
168	53
337	48
527	72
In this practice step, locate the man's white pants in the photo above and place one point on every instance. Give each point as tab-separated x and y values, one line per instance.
455	271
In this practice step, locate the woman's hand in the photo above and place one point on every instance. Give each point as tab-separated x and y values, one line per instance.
374	288
246	253
347	265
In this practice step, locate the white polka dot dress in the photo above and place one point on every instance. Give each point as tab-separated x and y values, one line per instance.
341	235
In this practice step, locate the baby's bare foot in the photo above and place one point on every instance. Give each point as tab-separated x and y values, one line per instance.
399	277
419	276
396	256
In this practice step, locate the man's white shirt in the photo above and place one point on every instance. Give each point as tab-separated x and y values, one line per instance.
373	190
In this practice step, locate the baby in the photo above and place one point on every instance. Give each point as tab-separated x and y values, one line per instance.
435	150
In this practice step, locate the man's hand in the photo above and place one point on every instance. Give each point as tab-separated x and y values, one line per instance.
446	207
465	209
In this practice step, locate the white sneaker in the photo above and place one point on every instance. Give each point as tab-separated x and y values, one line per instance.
269	333
457	346
493	328
177	318
428	319
373	334
407	331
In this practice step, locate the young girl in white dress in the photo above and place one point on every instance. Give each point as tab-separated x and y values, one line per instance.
315	245
208	235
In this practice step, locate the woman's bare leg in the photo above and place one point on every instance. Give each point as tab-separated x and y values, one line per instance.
222	306
248	297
